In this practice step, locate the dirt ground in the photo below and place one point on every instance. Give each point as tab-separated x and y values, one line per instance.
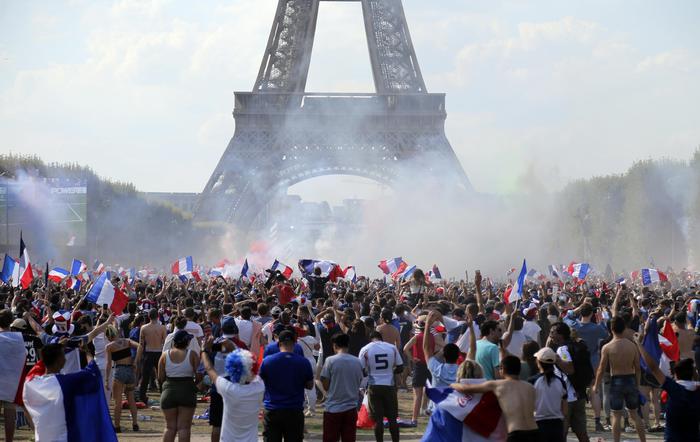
152	430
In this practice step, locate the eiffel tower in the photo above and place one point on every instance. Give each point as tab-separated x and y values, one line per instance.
285	135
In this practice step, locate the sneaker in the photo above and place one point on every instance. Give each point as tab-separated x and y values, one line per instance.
599	427
411	424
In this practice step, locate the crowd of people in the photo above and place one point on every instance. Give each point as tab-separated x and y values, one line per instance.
276	350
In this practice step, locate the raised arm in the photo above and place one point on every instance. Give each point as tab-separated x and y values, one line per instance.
471	354
427	354
479	297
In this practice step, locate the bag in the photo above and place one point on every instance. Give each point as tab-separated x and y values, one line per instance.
583	370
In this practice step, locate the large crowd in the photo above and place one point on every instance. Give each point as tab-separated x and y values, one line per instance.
278	349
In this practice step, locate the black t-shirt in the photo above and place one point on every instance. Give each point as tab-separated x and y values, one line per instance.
33	345
326	344
682	412
317	286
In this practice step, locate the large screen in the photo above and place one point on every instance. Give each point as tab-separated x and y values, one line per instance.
48	209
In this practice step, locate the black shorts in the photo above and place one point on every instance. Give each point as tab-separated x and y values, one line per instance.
624	392
216	408
383	402
420	374
524	436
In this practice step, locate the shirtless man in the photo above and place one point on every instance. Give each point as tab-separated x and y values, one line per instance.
516	398
686	337
623	356
390	334
152	338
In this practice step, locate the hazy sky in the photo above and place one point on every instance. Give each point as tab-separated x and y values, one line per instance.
538	92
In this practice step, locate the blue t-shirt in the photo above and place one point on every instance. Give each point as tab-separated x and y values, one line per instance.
488	356
285	375
443	373
682	413
273	348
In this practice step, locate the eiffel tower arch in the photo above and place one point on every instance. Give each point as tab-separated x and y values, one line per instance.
285	135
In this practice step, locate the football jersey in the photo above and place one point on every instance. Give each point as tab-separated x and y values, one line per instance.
379	359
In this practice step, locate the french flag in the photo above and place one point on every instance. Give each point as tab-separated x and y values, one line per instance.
283	268
650	276
579	271
408	272
394	266
57	274
244	269
514	293
534	274
98	267
26	276
77	268
329	269
350	274
103	292
182	266
553	270
462	418
436	272
10	271
68	406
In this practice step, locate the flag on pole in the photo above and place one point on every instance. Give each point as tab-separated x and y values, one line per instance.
350	274
25	266
650	276
182	266
10	271
97	267
393	266
579	270
436	272
103	292
284	269
515	292
77	268
408	272
244	269
553	270
57	274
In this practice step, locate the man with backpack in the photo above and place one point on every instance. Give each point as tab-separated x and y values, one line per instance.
574	366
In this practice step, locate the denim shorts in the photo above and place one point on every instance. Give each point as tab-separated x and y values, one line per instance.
624	392
124	374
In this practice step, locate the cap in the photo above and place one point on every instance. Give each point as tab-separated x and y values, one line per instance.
19	324
276	310
229	327
286	337
181	337
546	355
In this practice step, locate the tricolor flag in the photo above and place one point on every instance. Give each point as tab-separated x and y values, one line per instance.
25	266
57	274
668	341
182	266
394	266
283	268
11	364
579	271
329	269
515	292
553	270
462	418
436	272
408	272
103	292
68	406
77	268
650	276
244	269
350	274
10	271
534	274
97	267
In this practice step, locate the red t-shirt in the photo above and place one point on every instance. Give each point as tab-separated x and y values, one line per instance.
286	294
417	350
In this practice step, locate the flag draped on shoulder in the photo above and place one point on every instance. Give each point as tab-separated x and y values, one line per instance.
69	406
458	417
514	293
103	292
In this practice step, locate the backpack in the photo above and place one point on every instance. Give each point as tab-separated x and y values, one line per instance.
583	370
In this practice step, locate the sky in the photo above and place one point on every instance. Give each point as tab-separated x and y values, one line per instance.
539	92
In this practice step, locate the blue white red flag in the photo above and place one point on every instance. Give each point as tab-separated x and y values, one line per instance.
650	276
579	270
69	407
329	269
182	266
57	274
393	266
284	269
103	292
436	272
533	274
10	271
26	276
350	274
515	292
408	272
11	364
461	418
244	269
98	267
553	270
77	268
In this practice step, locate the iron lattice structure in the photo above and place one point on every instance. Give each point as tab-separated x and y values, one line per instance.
284	135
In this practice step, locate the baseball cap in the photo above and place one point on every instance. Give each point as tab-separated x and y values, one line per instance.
546	355
229	327
276	310
19	323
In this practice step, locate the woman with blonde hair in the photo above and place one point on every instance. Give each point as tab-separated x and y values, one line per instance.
119	351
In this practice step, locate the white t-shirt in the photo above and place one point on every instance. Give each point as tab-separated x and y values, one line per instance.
379	359
517	340
245	331
532	330
564	354
241	406
194	329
